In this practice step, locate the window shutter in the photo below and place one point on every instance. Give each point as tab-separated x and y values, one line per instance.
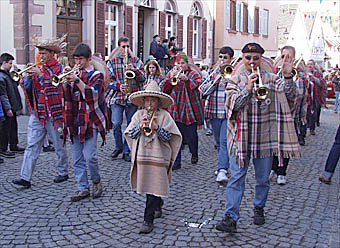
265	20
100	27
204	38
128	27
241	17
227	18
180	31
162	20
238	7
189	35
260	22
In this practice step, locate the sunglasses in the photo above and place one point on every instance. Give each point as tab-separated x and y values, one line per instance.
224	57
125	46
255	58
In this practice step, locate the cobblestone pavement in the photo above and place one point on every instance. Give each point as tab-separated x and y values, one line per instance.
303	213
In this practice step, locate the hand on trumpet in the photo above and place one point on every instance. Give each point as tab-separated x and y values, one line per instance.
146	121
70	78
34	71
252	78
287	65
130	67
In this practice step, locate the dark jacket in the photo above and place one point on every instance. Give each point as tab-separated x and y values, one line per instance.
336	81
9	94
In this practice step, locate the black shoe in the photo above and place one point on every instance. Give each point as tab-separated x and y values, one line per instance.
60	179
194	159
176	167
115	153
7	154
302	142
17	149
227	225
258	216
318	124
48	148
126	157
158	213
147	227
1	161
22	182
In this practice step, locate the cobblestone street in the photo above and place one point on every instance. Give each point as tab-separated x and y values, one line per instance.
303	213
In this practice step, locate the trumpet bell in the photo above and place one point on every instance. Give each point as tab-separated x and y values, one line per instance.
55	80
15	76
174	81
227	70
147	131
130	74
262	93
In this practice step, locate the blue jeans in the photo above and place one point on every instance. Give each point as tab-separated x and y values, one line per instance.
117	120
337	99
36	134
333	156
83	154
236	185
189	134
220	127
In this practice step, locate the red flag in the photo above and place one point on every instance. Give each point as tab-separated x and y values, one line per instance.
305	15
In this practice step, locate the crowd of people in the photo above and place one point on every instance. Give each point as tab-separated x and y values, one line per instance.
259	110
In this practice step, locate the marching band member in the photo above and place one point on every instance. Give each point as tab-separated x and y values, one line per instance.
319	96
85	114
153	72
187	111
152	131
46	107
213	87
119	89
259	126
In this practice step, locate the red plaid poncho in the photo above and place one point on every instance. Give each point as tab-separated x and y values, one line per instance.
47	99
319	90
188	107
82	115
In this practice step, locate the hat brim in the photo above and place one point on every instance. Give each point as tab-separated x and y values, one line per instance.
137	98
51	48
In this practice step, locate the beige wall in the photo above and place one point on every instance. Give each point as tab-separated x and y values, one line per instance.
6	27
223	37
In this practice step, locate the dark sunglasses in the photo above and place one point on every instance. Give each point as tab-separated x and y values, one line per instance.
224	57
255	58
125	46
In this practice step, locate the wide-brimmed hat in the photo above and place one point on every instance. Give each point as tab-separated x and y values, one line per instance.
152	89
56	45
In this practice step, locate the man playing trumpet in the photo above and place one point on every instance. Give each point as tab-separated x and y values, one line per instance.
213	87
46	106
257	130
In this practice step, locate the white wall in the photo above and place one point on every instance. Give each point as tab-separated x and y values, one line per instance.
48	20
6	27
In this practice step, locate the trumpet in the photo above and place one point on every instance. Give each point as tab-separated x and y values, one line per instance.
261	92
295	71
56	80
174	80
16	76
147	129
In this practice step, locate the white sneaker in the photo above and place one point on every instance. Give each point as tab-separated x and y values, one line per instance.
222	176
281	180
271	175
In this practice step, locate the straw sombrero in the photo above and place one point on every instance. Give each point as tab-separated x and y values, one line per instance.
56	45
152	89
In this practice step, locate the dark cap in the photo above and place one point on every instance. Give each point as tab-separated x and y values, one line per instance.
252	48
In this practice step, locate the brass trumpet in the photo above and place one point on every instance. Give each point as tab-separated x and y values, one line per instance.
261	91
147	129
56	80
16	76
295	71
174	80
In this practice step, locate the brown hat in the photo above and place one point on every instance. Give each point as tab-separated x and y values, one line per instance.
54	44
152	89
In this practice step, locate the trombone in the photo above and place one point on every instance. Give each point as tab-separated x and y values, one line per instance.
16	76
147	129
261	91
56	80
174	80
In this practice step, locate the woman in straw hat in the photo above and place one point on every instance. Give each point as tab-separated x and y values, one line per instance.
153	72
154	140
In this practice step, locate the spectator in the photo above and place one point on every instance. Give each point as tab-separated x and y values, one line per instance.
157	50
336	81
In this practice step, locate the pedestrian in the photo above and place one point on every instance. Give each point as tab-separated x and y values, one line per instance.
85	102
182	85
157	50
214	86
11	104
336	82
46	106
153	72
154	140
249	113
166	64
174	50
119	88
332	160
2	118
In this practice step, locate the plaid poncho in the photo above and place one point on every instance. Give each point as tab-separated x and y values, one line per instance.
320	86
187	107
46	98
261	132
83	113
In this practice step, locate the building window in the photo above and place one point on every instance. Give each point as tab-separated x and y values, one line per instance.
195	11
69	8
265	20
227	11
232	15
169	25
195	38
145	3
256	21
111	28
